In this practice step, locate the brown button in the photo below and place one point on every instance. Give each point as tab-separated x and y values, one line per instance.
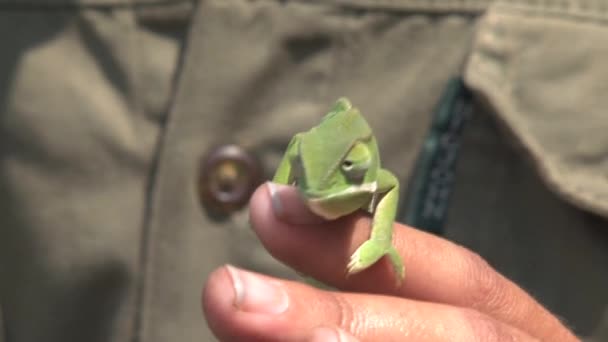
227	178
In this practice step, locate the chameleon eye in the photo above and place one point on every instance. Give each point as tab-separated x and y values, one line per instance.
347	165
356	164
354	171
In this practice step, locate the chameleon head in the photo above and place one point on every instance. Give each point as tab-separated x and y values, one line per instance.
337	163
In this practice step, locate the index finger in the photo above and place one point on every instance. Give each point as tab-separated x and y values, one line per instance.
437	270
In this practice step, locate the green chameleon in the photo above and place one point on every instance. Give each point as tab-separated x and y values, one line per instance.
336	168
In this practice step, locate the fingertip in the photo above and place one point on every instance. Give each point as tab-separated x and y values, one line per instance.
285	203
259	204
213	288
263	221
217	299
229	310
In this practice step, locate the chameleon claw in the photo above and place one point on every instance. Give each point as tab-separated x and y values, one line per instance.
366	255
369	253
354	265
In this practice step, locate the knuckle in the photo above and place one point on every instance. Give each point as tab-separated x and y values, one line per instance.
486	289
346	318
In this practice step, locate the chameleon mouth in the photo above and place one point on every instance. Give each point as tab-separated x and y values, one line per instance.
319	209
368	188
333	204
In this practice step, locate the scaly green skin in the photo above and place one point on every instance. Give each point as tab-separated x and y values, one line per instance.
336	168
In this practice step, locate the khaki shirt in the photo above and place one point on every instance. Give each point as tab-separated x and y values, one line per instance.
108	109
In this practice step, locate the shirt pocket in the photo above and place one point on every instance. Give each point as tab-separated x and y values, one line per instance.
544	73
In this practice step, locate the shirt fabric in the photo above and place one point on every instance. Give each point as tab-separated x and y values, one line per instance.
108	106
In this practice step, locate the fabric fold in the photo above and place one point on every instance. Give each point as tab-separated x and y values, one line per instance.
544	72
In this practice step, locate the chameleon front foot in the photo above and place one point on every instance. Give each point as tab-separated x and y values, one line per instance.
370	252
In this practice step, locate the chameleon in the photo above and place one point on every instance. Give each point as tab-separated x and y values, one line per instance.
336	168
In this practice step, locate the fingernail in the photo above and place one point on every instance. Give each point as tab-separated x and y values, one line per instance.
325	334
287	205
255	294
275	199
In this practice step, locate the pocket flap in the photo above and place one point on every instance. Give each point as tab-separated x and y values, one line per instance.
544	72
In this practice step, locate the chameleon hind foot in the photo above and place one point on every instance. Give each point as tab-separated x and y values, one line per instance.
370	252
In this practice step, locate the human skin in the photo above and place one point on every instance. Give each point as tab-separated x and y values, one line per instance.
449	292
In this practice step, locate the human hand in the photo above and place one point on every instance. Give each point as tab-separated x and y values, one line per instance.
449	293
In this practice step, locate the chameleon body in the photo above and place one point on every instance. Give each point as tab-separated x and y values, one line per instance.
336	168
